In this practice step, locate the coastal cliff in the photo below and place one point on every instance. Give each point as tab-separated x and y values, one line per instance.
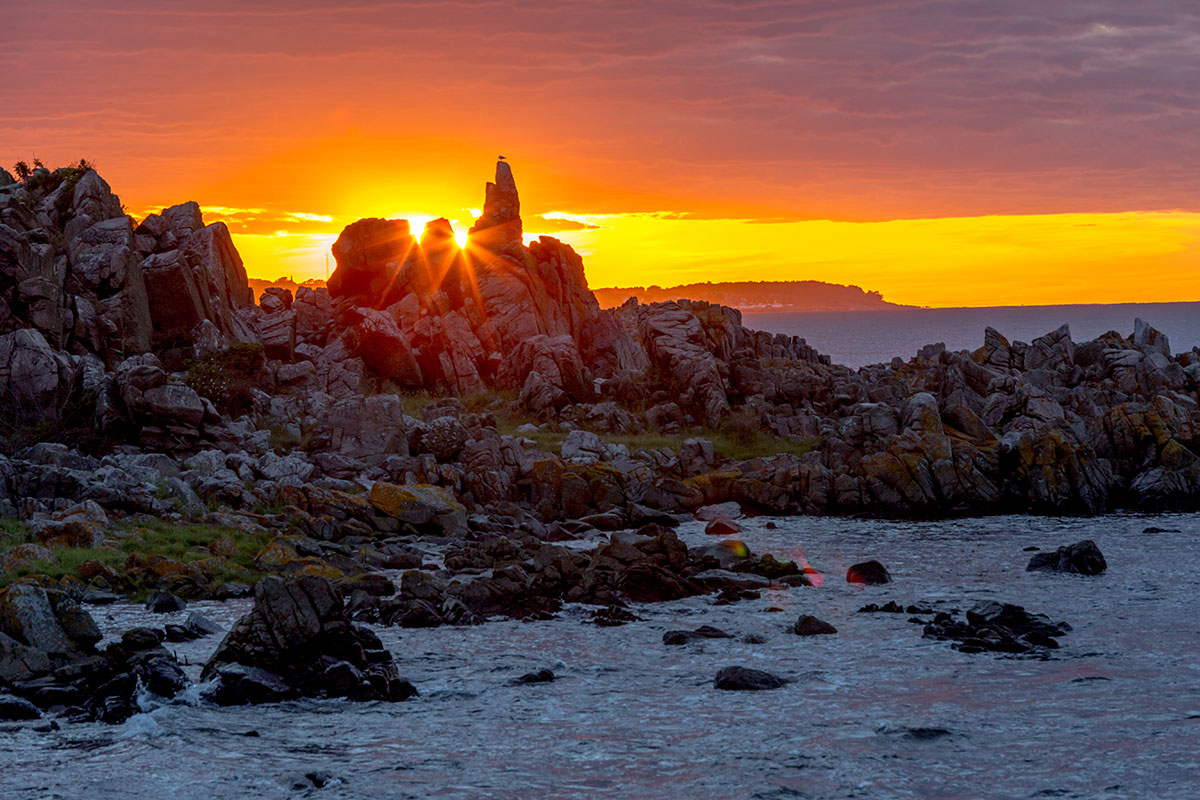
117	325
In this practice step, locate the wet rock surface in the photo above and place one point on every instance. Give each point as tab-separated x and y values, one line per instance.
1083	558
745	679
297	641
808	625
998	628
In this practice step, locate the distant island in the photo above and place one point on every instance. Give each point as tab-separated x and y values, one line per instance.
757	296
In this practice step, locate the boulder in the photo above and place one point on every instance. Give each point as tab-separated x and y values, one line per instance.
808	625
162	602
428	508
36	378
721	526
16	709
998	627
698	635
871	573
539	676
1083	558
747	680
298	633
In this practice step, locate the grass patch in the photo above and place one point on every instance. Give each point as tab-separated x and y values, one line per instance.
181	542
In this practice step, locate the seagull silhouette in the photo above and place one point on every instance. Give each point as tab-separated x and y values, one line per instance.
500	157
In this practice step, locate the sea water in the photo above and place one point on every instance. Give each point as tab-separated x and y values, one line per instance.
859	338
875	711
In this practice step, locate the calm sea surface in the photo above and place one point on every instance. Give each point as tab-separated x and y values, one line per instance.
875	711
858	338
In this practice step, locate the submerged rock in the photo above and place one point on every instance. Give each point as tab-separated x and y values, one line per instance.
165	603
744	679
1083	558
538	676
698	635
809	625
1000	628
871	573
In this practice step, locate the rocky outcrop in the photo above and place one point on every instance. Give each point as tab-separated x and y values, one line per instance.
48	656
193	273
297	641
428	314
1082	558
999	628
1048	426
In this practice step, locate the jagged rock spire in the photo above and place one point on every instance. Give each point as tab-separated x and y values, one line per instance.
499	226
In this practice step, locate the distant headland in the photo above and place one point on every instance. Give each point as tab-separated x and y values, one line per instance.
744	295
757	296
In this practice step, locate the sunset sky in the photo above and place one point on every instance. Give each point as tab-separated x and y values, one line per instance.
943	153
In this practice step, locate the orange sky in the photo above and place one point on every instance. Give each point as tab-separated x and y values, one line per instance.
993	152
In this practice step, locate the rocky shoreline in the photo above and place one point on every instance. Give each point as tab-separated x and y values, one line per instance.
444	435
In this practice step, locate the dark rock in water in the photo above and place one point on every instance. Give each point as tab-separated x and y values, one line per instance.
1032	549
539	676
1153	529
722	526
612	616
999	628
17	708
732	594
177	633
135	640
197	626
318	779
890	607
164	603
871	573
698	635
242	685
1083	558
918	734
48	657
811	626
162	676
298	640
744	679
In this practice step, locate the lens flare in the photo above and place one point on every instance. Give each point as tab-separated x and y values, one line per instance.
737	547
816	578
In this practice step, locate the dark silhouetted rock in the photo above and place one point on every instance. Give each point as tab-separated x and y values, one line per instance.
698	635
744	679
1000	628
1083	558
722	526
15	708
165	603
811	626
299	632
539	676
871	573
